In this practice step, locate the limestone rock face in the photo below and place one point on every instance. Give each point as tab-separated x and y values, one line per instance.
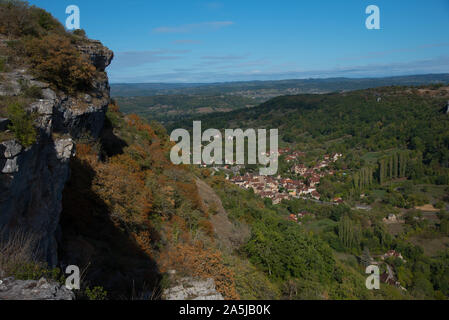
32	179
193	289
12	289
99	55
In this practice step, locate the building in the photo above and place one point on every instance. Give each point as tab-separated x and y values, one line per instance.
300	169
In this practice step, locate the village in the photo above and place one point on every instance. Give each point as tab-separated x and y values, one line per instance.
279	188
305	187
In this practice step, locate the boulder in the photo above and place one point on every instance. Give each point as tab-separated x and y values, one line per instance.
193	289
43	289
12	149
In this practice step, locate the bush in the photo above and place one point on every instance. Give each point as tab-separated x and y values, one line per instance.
15	249
54	59
18	19
19	256
440	205
22	124
35	271
97	293
80	33
31	91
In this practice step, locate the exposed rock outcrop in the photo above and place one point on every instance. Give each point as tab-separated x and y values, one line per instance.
99	55
193	289
32	179
12	289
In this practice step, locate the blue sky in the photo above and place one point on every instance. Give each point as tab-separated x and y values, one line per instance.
235	40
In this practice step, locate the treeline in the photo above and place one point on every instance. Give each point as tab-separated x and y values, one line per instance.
393	167
387	168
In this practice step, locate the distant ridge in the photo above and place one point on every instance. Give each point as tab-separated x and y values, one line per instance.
323	85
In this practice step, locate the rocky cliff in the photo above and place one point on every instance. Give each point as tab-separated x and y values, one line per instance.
32	179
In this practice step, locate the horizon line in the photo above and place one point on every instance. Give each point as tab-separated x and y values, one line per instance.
288	79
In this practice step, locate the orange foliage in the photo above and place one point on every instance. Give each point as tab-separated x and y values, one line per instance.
135	121
114	108
86	152
126	182
177	230
207	226
143	239
123	190
120	184
190	191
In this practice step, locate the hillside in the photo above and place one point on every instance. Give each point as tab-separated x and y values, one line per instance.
171	103
369	120
172	108
280	87
375	197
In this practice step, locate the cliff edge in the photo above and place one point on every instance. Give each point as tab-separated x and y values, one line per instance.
32	178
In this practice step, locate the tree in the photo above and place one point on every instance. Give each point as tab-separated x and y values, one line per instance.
22	124
366	257
349	233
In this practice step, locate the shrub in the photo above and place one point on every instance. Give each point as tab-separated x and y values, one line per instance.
18	19
2	64
80	33
46	21
97	293
30	91
15	249
22	124
33	92
35	270
19	254
54	59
